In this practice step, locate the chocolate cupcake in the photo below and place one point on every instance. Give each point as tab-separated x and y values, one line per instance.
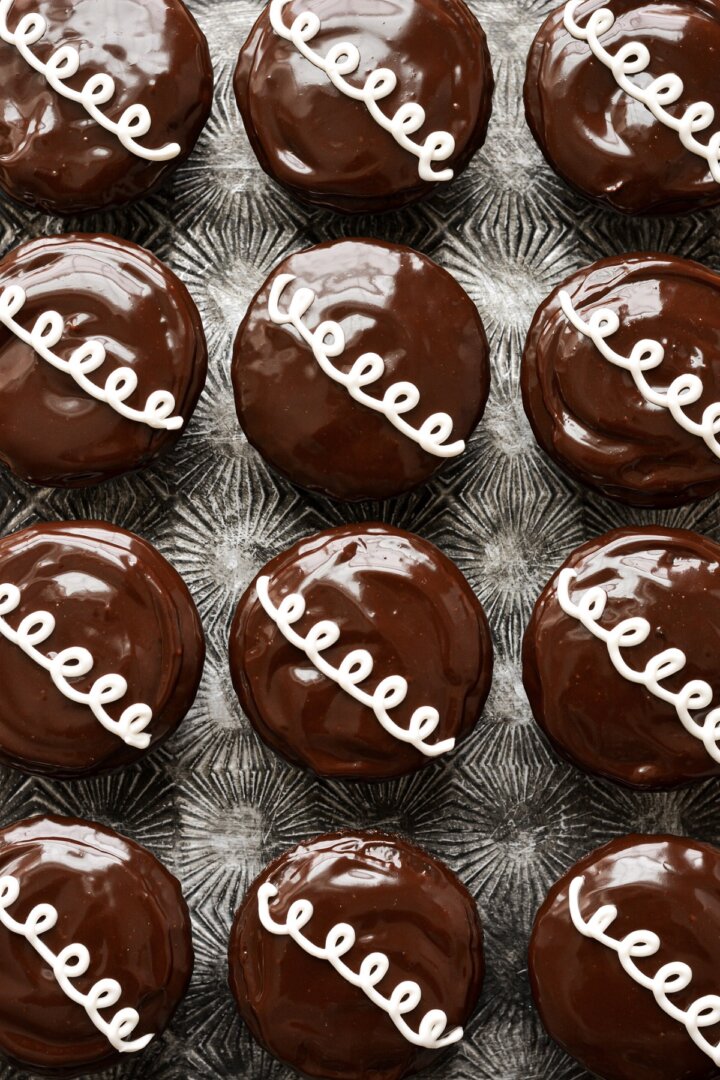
356	955
620	659
365	105
101	648
622	96
361	652
101	99
102	359
624	960
360	368
621	378
95	947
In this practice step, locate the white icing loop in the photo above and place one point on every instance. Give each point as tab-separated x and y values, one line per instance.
669	979
63	64
70	963
73	663
119	385
344	59
354	669
328	341
633	59
646	355
696	694
340	940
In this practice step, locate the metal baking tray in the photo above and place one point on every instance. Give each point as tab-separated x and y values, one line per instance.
213	803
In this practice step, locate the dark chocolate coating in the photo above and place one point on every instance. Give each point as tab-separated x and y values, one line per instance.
53	154
596	1011
116	899
388	300
589	415
325	147
392	594
399	901
593	715
52	431
112	593
599	139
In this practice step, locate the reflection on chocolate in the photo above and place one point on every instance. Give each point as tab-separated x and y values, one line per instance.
401	601
53	153
603	130
601	1013
385	300
398	901
320	138
116	298
95	589
608	427
635	732
112	897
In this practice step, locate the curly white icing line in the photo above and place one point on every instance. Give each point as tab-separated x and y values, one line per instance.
63	64
70	963
634	58
73	663
119	385
340	940
671	978
646	355
696	694
329	341
344	59
355	668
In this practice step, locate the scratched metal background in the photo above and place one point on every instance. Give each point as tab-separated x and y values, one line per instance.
214	804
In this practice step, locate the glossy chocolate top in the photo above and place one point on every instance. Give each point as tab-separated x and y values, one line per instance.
386	300
598	137
326	147
593	714
390	594
53	430
597	1011
398	901
114	595
53	153
594	417
116	899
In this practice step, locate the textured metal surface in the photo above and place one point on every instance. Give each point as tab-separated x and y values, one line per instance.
214	804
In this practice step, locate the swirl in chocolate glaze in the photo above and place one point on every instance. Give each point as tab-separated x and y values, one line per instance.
404	915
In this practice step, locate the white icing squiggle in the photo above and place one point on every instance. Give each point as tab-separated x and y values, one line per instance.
355	668
696	694
329	341
344	59
633	59
119	385
671	978
73	663
646	355
70	963
99	89
340	940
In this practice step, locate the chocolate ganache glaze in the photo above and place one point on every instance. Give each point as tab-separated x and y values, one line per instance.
621	378
620	659
660	897
623	99
74	885
63	420
406	109
101	648
426	664
336	345
142	72
406	918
